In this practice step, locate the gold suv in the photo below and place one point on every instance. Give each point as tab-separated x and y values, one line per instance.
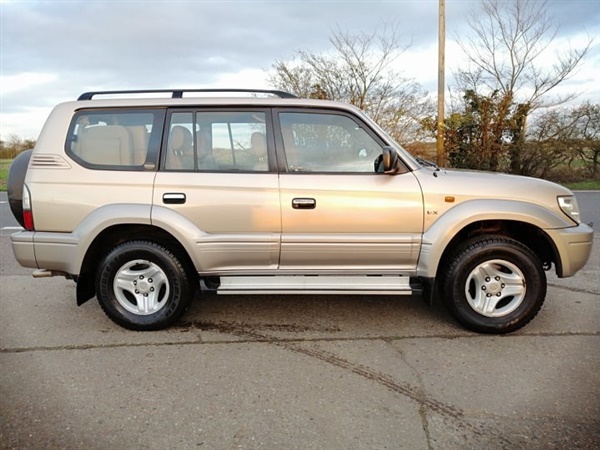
143	199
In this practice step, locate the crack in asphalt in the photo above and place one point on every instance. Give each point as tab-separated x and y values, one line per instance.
405	389
422	405
249	334
574	289
260	338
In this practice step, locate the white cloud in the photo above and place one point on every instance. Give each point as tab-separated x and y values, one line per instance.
73	47
26	124
22	81
244	79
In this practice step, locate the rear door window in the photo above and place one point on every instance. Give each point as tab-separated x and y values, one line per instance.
217	141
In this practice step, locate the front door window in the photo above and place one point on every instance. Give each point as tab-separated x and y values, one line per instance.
327	143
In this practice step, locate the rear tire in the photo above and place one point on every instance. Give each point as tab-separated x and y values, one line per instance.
143	286
494	284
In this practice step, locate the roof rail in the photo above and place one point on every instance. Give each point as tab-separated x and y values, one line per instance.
178	93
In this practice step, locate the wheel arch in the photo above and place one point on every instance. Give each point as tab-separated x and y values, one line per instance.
527	234
523	222
114	235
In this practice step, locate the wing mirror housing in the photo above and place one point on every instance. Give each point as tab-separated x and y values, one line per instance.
390	160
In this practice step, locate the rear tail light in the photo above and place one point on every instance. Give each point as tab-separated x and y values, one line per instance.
27	213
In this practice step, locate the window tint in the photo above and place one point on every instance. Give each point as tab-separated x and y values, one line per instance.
217	141
115	139
317	142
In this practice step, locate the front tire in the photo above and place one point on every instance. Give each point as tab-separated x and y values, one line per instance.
143	286
494	284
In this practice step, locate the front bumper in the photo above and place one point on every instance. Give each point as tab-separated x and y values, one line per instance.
574	246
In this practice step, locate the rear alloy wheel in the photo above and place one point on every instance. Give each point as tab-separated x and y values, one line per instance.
143	286
494	284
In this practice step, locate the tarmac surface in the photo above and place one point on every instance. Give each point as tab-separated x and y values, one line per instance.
287	372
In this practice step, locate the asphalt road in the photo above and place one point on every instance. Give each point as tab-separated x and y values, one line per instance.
306	372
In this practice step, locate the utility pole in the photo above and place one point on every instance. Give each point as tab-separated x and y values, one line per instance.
441	154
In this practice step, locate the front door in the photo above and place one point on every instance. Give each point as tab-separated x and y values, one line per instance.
338	213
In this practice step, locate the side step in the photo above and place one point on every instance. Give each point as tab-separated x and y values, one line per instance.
322	284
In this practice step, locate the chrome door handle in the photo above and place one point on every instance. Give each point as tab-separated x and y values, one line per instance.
304	203
174	198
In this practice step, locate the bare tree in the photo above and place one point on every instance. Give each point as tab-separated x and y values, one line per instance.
506	47
362	71
15	145
569	135
507	41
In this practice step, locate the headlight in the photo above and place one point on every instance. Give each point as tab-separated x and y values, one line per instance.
568	205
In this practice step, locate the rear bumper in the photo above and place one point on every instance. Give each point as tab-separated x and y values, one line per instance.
56	252
23	248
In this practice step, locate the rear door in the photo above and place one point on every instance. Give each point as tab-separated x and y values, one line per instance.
216	190
338	213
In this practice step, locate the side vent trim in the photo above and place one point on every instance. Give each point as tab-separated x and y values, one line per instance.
48	161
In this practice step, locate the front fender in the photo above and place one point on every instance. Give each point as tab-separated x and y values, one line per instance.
437	237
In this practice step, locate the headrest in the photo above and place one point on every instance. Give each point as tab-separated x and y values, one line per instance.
180	138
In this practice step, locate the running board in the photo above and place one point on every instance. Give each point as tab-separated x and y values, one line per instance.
323	284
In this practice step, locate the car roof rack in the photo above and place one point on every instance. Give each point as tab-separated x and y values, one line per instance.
178	93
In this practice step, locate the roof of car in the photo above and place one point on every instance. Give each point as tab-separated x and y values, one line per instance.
199	101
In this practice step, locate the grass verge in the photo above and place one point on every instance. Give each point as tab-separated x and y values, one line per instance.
588	185
4	165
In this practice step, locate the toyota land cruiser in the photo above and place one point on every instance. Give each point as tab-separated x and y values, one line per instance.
142	199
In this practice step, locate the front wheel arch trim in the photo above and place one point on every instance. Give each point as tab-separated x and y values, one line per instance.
453	224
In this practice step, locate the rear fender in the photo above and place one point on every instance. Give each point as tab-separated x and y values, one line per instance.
74	246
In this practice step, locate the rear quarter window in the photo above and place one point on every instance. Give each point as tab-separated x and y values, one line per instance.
116	139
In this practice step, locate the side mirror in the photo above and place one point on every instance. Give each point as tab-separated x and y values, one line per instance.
391	163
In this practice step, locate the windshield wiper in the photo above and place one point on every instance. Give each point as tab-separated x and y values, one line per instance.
426	163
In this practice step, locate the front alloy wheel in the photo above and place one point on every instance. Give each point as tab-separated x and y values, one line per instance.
494	284
495	288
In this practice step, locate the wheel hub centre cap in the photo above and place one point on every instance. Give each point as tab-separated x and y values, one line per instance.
494	288
143	287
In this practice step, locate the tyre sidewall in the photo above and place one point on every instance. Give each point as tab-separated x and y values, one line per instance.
480	252
179	296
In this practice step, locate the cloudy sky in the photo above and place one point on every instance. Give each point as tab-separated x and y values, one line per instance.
52	51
